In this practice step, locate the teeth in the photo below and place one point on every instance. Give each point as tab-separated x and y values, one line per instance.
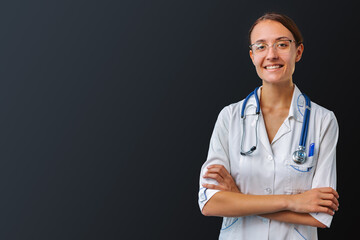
273	67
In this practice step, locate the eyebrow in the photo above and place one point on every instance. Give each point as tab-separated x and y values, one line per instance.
279	38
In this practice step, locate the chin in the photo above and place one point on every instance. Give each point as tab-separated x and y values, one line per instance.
275	80
272	78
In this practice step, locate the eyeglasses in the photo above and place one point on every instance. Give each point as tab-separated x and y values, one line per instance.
282	46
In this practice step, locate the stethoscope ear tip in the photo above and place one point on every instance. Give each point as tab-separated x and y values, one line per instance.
248	152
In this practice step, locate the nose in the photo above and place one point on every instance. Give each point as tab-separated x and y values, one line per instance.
272	53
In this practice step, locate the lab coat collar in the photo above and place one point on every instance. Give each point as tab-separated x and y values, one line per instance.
297	107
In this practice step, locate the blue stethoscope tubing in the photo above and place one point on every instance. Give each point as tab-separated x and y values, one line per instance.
299	156
305	121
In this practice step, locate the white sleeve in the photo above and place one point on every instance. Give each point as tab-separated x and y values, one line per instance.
325	172
218	154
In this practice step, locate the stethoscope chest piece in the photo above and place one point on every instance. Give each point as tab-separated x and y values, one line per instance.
299	156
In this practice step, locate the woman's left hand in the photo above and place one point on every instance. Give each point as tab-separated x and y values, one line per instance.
223	177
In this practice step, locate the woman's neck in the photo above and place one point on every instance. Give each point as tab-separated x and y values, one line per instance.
276	95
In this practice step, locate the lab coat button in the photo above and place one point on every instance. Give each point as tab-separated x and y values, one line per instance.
270	157
268	190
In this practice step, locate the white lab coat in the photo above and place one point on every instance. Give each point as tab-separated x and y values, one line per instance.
270	169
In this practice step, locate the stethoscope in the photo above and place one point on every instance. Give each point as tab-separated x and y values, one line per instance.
299	156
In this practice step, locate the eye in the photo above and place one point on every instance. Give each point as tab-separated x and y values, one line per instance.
283	44
260	47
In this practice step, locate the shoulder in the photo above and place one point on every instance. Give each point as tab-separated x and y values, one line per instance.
231	110
323	116
321	111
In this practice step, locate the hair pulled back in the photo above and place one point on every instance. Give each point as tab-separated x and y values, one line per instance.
285	21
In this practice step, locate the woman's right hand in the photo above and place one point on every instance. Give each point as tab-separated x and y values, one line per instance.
222	176
323	200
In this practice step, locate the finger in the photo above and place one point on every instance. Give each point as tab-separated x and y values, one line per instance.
331	197
214	176
329	190
218	172
224	172
220	169
213	186
217	167
329	204
325	210
227	180
334	192
214	166
214	170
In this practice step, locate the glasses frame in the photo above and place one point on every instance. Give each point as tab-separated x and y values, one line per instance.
273	45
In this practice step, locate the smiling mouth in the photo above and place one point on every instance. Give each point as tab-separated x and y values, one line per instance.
275	66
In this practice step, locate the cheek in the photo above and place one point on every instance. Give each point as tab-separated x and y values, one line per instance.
290	61
291	65
258	63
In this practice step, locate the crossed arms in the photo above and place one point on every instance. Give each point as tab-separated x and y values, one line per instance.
230	202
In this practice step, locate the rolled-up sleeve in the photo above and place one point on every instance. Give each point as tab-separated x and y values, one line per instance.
218	154
325	173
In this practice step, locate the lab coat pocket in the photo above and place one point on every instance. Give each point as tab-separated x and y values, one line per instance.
299	176
228	222
298	234
299	169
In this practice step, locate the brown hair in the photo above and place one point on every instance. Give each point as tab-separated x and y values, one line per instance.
285	21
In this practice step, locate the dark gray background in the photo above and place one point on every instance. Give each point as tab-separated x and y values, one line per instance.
107	107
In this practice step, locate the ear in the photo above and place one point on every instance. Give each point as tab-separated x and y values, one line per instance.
251	56
299	52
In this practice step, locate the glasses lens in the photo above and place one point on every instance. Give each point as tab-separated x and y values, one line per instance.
259	47
282	46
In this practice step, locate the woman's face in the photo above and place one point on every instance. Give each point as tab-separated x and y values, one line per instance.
274	66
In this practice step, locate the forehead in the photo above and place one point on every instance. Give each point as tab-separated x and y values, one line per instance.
269	30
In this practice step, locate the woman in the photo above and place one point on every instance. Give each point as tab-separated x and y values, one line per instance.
262	193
